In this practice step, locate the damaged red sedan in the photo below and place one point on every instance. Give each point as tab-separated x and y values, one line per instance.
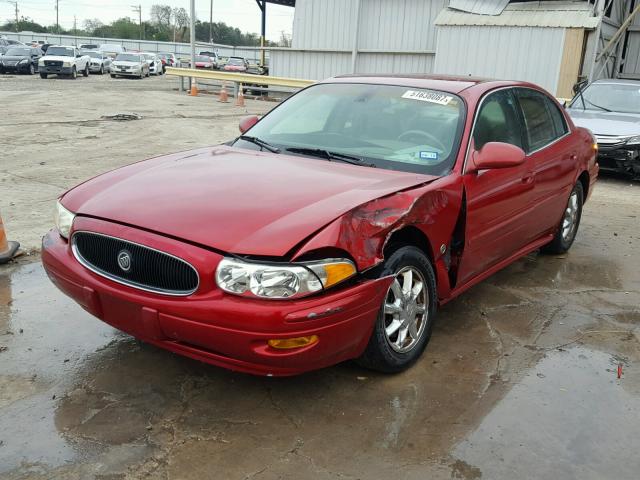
332	228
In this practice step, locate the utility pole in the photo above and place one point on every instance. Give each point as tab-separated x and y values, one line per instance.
75	25
15	4
138	9
193	37
211	23
57	17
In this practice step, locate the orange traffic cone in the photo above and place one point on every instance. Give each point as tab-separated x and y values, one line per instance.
224	96
240	99
194	88
7	249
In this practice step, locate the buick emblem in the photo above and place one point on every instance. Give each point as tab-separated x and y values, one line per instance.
124	260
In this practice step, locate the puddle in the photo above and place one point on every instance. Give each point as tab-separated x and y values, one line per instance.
569	417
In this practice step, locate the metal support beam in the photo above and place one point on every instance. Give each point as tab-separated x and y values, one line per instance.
616	36
262	4
193	37
356	33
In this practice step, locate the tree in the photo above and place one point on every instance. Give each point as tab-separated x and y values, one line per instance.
91	25
161	16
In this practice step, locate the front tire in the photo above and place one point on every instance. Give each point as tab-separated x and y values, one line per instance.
114	76
32	69
74	73
43	76
568	228
405	321
86	71
101	70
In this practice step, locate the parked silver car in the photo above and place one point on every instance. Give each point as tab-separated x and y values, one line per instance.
130	65
611	110
100	62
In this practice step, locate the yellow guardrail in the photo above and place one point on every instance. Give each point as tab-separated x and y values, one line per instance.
244	78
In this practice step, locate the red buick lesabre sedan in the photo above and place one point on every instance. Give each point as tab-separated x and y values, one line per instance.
332	228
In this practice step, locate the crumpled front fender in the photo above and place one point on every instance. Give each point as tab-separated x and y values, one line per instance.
364	231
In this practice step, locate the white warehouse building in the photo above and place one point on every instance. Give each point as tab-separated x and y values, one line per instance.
552	43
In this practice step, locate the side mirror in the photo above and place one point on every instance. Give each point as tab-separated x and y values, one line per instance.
496	155
247	122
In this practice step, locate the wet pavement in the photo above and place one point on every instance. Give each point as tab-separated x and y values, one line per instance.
519	381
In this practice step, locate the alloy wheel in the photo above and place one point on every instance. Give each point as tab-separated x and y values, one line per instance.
406	310
570	217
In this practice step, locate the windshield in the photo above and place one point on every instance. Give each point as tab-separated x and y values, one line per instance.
60	52
127	57
617	97
236	61
202	58
18	52
398	128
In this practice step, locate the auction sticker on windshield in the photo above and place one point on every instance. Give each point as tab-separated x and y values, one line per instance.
433	97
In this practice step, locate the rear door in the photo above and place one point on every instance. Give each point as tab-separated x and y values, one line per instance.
553	153
498	200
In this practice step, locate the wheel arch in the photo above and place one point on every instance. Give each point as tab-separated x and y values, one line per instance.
409	235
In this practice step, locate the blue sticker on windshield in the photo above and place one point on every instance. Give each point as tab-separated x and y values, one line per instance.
428	155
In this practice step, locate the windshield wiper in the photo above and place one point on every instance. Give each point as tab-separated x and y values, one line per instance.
597	106
329	155
260	143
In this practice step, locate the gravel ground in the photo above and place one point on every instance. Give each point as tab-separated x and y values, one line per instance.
519	380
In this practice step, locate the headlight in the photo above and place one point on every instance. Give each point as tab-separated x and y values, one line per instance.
24	60
281	281
41	61
64	220
634	140
66	64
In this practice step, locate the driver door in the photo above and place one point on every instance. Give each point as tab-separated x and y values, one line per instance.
498	200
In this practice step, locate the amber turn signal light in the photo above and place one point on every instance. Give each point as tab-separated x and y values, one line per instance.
288	343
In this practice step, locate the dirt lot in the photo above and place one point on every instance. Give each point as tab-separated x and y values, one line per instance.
519	381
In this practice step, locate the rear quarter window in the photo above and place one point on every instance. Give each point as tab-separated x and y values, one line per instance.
543	121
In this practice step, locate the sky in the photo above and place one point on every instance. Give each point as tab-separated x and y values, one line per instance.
243	14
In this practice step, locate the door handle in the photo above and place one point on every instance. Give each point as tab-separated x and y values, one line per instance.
528	177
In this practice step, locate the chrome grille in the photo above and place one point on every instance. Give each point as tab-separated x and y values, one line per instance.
611	141
147	269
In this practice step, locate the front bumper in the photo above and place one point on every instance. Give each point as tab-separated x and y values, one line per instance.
213	326
126	73
18	68
94	68
624	160
55	70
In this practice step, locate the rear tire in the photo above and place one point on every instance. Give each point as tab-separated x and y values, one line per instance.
568	228
405	321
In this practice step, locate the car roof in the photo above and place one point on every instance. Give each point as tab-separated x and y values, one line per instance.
447	83
619	81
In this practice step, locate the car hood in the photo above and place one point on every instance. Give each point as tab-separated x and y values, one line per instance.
235	200
57	58
14	58
122	63
606	123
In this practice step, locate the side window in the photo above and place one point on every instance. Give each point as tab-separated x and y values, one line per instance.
559	122
542	128
498	121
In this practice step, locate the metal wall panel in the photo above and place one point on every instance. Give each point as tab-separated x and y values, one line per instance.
398	25
514	53
309	65
481	7
324	24
394	63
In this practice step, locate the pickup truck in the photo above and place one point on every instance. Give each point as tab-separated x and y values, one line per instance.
61	60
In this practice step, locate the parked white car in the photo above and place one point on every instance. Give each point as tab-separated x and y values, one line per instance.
62	60
130	65
100	62
155	63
